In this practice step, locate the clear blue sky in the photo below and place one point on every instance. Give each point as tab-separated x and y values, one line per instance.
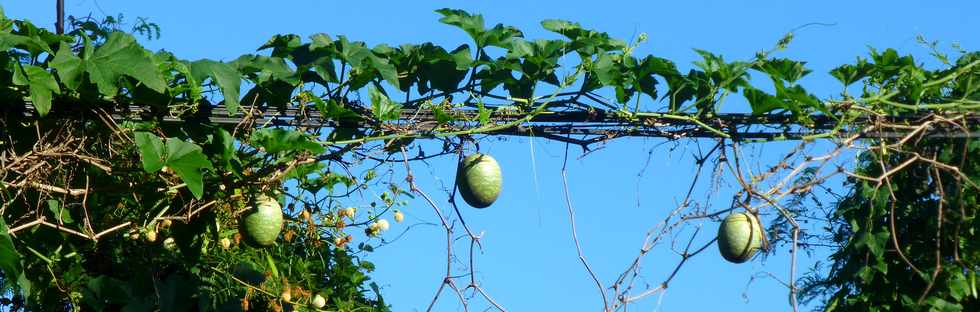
529	263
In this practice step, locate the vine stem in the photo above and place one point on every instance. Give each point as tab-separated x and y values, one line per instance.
578	246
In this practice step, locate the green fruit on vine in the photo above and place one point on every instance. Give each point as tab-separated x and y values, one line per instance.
479	180
261	225
150	236
318	301
170	244
739	237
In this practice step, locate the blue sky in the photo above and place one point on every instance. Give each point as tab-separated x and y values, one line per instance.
529	262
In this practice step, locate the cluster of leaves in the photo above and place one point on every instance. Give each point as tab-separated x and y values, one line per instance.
151	222
906	232
909	243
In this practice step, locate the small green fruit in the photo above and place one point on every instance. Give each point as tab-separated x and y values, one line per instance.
318	301
150	236
225	243
479	180
262	224
739	237
170	244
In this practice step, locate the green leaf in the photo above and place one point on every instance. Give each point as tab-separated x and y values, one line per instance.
187	160
68	66
282	45
471	24
441	116
59	211
384	108
225	144
762	102
9	258
849	74
265	68
225	76
276	140
585	41
121	56
783	69
387	70
484	113
151	151
334	111
33	44
42	87
320	41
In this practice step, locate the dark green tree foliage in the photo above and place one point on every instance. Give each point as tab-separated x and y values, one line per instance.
911	242
907	231
101	204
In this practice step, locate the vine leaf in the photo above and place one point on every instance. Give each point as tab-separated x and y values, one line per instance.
9	258
223	74
384	108
121	56
151	151
473	25
61	213
41	83
584	41
33	44
223	147
276	140
761	101
783	69
186	159
68	66
849	74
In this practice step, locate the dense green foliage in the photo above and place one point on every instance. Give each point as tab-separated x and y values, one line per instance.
120	192
910	243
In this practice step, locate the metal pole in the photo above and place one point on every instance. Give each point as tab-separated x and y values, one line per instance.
59	24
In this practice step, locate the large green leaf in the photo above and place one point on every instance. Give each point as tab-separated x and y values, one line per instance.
68	66
223	145
223	74
762	102
9	258
275	140
384	108
121	56
187	160
151	151
32	44
471	24
184	158
783	69
41	84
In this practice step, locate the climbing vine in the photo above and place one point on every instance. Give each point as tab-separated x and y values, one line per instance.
126	172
